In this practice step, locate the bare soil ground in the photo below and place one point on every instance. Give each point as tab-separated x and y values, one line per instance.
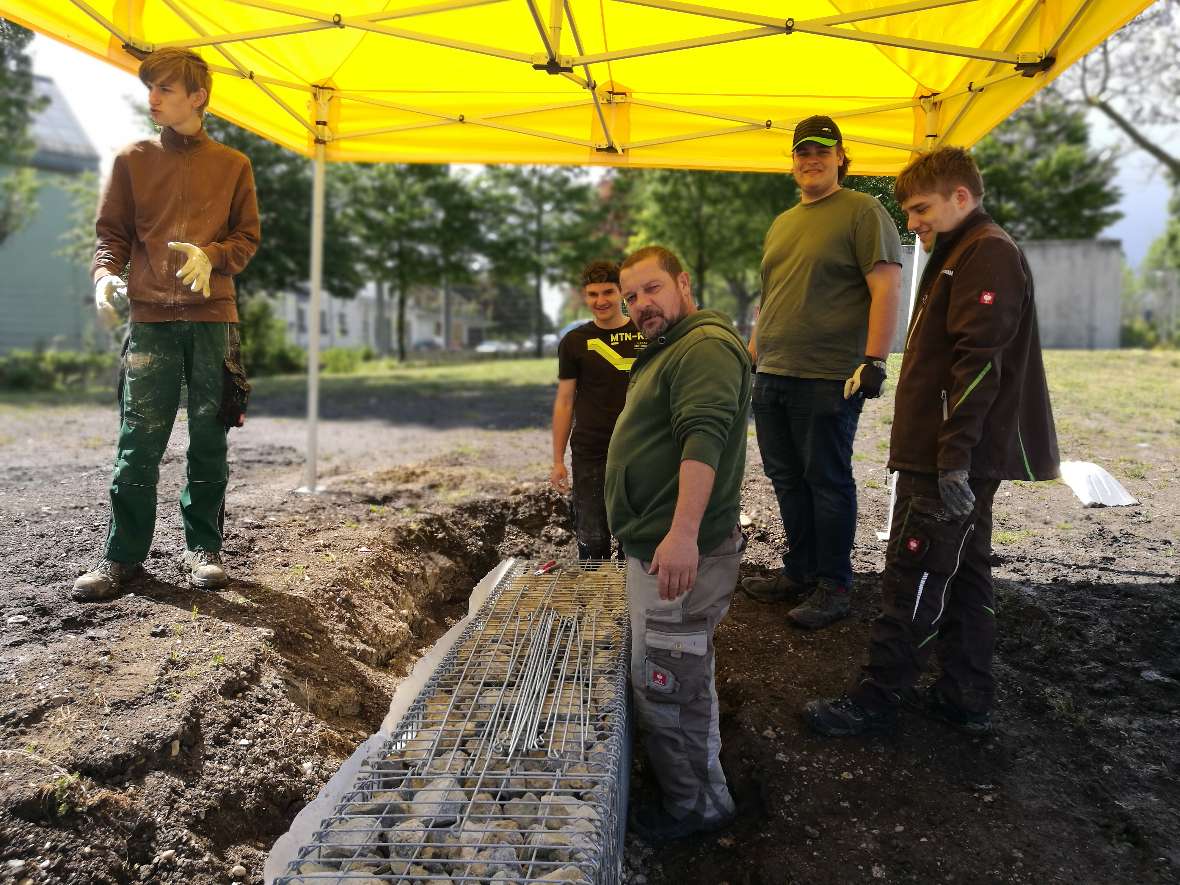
172	735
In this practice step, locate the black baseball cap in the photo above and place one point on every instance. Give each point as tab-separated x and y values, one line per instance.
821	130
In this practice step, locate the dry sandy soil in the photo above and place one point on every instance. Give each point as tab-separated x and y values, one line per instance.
172	735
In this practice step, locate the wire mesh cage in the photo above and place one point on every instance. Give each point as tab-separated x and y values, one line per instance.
510	766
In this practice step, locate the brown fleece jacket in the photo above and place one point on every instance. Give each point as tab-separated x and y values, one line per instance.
182	188
972	393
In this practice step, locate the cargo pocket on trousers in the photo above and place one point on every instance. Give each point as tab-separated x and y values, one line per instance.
235	388
930	539
676	666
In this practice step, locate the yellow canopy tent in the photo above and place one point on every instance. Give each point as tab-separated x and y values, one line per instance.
607	82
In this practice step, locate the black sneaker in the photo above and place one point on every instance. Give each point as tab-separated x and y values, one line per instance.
775	588
844	717
936	706
828	604
105	580
205	571
652	823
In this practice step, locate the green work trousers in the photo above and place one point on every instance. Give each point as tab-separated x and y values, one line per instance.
158	360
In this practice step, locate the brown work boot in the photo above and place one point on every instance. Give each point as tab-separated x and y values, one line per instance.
205	571
105	580
828	604
775	588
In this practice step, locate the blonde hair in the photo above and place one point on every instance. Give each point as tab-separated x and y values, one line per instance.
178	65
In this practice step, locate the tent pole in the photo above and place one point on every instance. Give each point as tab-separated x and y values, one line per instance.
313	326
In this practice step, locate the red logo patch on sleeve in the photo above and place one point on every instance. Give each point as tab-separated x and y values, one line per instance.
986	297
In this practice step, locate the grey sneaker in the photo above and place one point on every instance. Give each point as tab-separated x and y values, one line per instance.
205	571
105	580
828	604
775	588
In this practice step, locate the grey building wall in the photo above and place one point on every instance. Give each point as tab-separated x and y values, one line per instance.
45	299
1078	292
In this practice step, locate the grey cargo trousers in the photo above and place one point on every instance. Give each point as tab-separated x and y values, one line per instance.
672	676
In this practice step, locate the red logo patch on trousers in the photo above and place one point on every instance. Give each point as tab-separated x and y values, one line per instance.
659	678
915	545
987	297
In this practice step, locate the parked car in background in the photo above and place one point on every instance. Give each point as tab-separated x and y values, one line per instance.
568	327
495	346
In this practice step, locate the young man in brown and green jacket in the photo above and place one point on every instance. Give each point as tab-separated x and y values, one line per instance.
972	409
180	210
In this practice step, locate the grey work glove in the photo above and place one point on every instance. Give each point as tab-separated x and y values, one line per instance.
956	494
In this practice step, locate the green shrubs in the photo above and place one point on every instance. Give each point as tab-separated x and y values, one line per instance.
57	370
265	348
344	360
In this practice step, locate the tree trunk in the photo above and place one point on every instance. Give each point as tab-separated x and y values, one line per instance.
401	320
538	306
446	313
743	298
381	331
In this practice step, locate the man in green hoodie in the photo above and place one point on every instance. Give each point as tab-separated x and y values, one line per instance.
673	481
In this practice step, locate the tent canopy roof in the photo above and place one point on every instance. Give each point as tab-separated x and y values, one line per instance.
606	82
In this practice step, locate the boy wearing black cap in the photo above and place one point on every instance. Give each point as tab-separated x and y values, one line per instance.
831	282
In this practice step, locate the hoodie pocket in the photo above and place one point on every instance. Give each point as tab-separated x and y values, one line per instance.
618	500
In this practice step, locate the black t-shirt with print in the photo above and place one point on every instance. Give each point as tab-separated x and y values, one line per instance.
600	361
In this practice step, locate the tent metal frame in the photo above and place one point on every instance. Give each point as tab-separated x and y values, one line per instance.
549	24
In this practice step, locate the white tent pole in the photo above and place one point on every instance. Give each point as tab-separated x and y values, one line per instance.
317	274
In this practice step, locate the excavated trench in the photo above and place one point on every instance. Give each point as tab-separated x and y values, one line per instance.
225	714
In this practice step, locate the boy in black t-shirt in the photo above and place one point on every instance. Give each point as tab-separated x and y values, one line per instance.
593	367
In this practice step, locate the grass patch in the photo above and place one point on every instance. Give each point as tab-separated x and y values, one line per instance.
1131	468
1014	536
469	379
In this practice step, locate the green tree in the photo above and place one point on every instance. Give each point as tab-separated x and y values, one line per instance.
283	180
543	225
18	106
397	215
881	187
716	222
78	240
1043	179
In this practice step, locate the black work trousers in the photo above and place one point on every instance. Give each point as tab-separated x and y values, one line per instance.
589	507
937	596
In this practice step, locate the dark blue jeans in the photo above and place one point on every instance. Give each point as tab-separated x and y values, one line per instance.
805	432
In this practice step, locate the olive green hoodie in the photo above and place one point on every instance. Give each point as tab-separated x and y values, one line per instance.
688	399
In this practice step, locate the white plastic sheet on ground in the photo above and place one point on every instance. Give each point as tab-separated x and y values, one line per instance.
1094	486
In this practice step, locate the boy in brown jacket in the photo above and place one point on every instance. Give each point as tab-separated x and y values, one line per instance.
181	210
972	409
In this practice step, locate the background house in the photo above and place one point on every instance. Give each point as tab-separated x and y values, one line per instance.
355	322
45	298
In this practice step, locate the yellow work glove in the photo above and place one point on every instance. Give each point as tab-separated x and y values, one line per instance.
196	271
106	290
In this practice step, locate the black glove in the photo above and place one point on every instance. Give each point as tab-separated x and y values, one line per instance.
868	379
956	494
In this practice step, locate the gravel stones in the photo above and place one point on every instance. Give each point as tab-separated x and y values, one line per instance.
442	798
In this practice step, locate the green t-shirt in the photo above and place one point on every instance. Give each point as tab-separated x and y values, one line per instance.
814	317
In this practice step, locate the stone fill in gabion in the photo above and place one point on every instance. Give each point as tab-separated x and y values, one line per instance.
510	766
